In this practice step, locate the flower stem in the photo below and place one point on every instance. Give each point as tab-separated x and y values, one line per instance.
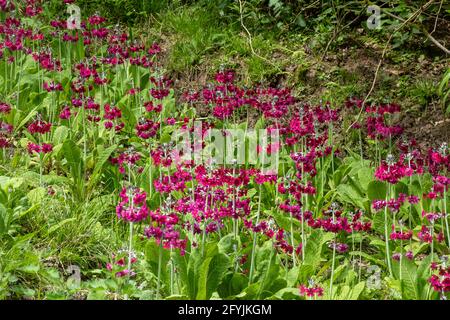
252	262
333	264
332	271
158	288
386	236
445	216
130	250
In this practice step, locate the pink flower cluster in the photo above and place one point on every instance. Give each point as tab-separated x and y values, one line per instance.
119	266
440	281
394	204
312	290
132	207
44	148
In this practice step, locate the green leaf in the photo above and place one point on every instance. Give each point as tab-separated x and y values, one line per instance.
286	294
3	220
409	280
36	195
305	273
301	21
357	290
350	195
400	187
60	134
97	294
228	244
29	116
59	225
376	190
343	294
102	158
210	274
72	154
313	249
75	163
30	268
232	284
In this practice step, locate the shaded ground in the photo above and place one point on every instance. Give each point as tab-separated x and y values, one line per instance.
430	128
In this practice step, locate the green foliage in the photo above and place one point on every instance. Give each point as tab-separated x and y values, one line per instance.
65	215
444	90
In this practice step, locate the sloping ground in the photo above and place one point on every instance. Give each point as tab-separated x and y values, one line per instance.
196	44
407	77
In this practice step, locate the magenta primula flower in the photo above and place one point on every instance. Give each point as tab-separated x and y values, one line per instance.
44	148
39	126
65	113
409	255
440	280
118	266
6	130
312	290
401	235
96	19
424	235
339	247
52	86
146	128
128	158
392	172
4	108
135	210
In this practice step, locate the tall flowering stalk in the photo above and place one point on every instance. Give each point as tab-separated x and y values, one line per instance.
333	211
252	258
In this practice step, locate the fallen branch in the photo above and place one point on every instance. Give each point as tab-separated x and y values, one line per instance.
429	36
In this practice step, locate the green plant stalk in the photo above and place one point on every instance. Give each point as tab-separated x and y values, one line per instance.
84	136
432	242
252	259
40	169
130	239
41	165
6	77
332	271
130	249
386	236
332	150
305	201
410	207
18	84
204	225
52	112
39	70
322	183
401	258
378	160
234	209
445	217
151	177
360	259
292	240
303	237
172	274
60	56
158	284
333	263
12	71
130	245
353	249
